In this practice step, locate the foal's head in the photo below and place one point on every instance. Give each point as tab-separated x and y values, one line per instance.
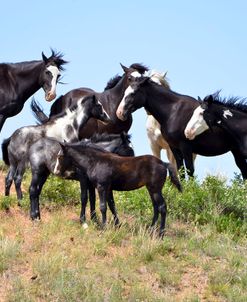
50	74
89	107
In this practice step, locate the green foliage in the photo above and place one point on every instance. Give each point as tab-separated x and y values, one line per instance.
60	191
210	201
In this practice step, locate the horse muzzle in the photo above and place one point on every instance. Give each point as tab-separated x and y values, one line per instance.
189	134
49	96
121	115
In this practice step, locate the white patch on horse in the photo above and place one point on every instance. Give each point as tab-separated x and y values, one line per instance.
135	74
55	72
56	170
196	124
227	113
104	109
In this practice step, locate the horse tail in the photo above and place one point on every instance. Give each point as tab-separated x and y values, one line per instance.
173	176
38	112
5	153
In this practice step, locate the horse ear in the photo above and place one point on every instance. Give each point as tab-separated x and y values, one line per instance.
199	99
45	59
94	100
125	69
210	99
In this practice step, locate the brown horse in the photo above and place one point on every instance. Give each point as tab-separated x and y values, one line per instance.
109	172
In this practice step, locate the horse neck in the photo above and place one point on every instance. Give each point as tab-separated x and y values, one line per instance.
27	75
111	98
161	102
66	128
232	124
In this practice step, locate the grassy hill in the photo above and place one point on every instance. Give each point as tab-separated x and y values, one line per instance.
203	256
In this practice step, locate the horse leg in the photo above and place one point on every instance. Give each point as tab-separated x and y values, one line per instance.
92	200
84	196
179	160
159	205
111	204
104	197
38	180
240	162
155	149
18	180
171	157
9	180
189	163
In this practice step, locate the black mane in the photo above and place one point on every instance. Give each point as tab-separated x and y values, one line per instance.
113	82
233	102
139	67
57	58
98	137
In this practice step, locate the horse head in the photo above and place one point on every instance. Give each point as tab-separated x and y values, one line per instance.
50	74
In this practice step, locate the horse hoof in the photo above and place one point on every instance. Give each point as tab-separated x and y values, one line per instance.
85	226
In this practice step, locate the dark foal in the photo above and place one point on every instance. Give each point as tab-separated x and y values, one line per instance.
109	172
43	156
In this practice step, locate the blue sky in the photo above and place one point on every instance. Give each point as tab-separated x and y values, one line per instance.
202	45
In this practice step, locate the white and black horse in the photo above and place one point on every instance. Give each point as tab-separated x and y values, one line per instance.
19	81
229	114
173	111
43	156
64	127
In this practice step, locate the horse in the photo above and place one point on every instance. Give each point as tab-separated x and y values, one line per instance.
109	99
229	114
110	172
63	127
18	81
173	111
155	137
42	156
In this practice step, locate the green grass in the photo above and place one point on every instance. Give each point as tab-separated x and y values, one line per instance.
202	257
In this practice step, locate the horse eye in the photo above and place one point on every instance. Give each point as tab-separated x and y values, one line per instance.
47	72
129	78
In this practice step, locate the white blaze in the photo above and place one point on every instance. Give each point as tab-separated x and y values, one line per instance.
196	124
55	72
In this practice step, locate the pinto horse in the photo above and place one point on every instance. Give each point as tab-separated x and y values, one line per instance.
155	137
18	81
63	127
230	114
110	172
173	111
43	156
109	98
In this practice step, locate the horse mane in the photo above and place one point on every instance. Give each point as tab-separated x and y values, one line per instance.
233	102
159	78
98	137
113	82
141	68
86	144
57	58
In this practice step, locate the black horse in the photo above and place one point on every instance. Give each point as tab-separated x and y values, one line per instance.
173	111
109	98
63	127
43	156
18	81
109	172
230	114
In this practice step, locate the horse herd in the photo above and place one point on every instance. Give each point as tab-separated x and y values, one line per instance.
85	136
